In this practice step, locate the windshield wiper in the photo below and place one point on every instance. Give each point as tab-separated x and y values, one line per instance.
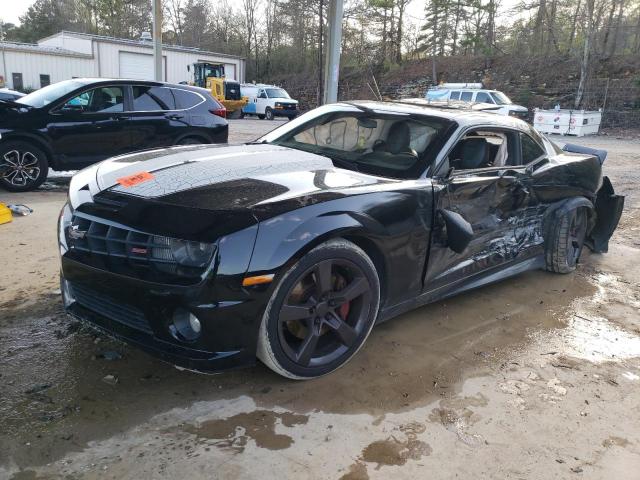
11	103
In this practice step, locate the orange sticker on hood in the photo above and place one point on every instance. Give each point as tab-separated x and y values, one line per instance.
135	179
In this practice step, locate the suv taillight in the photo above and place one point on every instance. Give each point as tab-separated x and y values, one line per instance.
221	112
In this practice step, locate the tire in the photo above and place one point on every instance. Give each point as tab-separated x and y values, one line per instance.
190	141
241	114
261	117
565	240
291	117
327	325
268	113
23	166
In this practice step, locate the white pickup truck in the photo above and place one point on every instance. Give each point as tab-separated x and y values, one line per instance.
268	101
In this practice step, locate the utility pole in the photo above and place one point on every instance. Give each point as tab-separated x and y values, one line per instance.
156	10
334	42
320	41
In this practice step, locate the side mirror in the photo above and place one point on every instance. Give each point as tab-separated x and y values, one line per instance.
459	231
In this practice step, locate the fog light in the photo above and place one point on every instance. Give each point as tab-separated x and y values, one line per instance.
185	326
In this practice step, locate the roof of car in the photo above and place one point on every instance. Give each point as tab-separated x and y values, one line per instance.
460	112
100	81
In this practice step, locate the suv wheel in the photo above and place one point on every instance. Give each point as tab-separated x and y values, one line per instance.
268	113
23	167
321	312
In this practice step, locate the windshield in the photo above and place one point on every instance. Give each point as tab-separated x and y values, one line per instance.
277	93
501	98
44	96
393	145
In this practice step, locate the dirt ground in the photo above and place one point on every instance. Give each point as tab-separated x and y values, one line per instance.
534	377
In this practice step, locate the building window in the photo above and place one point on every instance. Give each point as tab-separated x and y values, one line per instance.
17	81
45	80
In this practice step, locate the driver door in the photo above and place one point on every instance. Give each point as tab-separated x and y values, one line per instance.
91	126
262	101
504	217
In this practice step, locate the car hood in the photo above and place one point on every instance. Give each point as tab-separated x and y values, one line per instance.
253	177
284	100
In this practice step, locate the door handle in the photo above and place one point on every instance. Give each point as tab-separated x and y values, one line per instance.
175	117
120	119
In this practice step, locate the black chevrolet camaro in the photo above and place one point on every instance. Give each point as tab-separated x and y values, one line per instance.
289	249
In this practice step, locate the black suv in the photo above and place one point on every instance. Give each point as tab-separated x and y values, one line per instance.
74	123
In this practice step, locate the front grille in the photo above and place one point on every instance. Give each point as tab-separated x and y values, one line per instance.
123	250
110	308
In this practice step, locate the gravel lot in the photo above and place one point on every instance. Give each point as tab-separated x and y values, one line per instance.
534	377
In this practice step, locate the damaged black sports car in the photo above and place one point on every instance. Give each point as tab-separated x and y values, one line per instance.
289	249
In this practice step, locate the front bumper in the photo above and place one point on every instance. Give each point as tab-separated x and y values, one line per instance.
141	313
285	112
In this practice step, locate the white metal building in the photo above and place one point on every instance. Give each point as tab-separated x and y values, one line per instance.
67	55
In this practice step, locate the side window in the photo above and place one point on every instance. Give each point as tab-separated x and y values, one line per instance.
483	97
455	95
262	94
44	80
98	100
484	149
152	99
530	149
186	99
466	96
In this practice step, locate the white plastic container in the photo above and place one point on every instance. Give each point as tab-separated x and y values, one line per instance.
567	122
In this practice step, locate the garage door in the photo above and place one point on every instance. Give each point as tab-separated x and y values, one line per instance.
139	66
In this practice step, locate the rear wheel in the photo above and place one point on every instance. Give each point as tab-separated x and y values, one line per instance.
268	113
321	312
261	117
565	241
291	117
23	167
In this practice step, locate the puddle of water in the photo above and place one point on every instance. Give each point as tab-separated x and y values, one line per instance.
260	426
598	340
392	451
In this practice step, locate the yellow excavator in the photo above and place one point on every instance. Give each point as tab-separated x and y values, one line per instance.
211	76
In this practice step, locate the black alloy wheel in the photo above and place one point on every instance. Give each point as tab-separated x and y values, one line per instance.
577	231
564	240
23	167
321	313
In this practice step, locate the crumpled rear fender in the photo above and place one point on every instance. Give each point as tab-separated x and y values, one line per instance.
604	215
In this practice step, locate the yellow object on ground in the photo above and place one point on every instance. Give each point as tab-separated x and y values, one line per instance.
5	214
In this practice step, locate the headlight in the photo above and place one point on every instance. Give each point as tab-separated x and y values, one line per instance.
278	104
64	220
183	252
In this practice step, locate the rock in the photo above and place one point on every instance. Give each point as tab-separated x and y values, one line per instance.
111	355
110	379
38	388
554	384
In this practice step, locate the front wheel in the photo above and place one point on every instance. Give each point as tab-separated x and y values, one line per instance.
268	114
565	241
261	117
23	167
321	312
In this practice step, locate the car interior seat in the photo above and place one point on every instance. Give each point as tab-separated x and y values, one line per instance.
471	153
